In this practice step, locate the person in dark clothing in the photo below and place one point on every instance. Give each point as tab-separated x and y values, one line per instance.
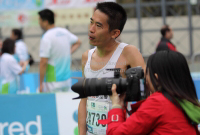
165	43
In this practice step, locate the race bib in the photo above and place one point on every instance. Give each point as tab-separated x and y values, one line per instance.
96	111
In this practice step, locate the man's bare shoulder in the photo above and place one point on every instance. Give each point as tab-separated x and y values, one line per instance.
133	56
130	50
85	56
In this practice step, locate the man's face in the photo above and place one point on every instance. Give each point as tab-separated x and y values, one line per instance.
13	36
43	24
99	33
170	33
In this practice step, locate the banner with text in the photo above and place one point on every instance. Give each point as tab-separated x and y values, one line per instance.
72	3
21	4
63	17
39	114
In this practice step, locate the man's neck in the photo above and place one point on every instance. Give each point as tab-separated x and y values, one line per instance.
167	38
50	27
107	49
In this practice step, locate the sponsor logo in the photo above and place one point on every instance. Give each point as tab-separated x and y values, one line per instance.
75	116
105	108
16	126
92	104
102	107
89	129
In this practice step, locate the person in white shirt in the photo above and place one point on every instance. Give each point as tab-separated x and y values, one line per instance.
56	47
9	68
21	53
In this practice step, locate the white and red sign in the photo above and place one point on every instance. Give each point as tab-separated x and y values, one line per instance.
53	4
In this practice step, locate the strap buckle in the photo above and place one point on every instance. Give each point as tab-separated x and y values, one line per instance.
117	118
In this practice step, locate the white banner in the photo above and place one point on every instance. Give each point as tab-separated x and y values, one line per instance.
67	113
52	4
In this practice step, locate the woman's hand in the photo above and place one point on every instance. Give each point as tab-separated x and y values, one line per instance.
117	101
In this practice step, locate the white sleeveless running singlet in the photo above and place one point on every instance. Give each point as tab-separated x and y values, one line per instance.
98	106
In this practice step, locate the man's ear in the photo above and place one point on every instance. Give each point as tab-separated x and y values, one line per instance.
115	33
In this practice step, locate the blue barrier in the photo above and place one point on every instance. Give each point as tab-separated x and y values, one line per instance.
39	114
29	82
196	78
29	114
75	74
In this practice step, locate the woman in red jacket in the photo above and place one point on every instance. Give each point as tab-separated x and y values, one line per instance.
171	109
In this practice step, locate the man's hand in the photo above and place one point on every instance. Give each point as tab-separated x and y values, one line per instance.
21	63
43	66
75	46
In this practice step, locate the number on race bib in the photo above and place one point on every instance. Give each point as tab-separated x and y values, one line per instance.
89	118
98	117
103	116
92	116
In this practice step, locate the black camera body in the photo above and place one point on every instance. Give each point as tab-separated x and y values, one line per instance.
102	86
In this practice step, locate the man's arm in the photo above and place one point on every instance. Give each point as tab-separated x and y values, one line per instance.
75	46
23	67
43	66
134	57
82	105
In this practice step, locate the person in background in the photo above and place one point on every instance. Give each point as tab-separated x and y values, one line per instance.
172	109
21	53
9	68
165	43
56	46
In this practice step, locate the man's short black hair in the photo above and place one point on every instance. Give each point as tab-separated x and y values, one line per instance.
116	14
164	29
18	33
47	15
8	46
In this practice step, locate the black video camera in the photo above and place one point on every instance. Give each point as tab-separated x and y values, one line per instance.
102	86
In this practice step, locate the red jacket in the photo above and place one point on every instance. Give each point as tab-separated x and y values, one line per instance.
156	116
165	44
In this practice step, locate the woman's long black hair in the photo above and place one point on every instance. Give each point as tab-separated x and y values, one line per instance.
8	46
173	75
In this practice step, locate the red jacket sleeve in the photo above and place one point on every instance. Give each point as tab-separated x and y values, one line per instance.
141	122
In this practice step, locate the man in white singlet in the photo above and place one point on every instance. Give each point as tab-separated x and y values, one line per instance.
106	25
